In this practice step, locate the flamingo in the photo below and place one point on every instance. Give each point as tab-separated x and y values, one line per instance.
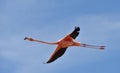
64	43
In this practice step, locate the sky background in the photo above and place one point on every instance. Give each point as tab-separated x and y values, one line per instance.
50	20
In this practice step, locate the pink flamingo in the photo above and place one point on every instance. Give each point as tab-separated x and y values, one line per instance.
64	43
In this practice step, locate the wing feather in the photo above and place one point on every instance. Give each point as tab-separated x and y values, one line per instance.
75	33
57	53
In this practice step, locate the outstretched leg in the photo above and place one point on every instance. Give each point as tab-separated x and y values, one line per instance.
92	46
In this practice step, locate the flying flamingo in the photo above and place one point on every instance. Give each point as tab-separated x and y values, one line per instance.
64	43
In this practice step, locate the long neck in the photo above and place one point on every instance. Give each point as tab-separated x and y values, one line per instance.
52	43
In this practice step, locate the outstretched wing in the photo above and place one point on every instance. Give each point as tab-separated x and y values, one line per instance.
60	51
75	33
57	53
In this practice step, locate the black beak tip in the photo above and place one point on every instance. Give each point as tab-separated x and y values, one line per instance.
25	38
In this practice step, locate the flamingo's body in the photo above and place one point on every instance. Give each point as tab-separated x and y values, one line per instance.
63	44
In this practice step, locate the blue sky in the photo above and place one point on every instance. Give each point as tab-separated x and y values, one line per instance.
50	20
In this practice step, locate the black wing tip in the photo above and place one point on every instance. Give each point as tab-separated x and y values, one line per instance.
77	28
48	62
45	63
57	55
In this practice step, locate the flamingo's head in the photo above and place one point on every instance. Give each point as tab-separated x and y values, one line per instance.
25	38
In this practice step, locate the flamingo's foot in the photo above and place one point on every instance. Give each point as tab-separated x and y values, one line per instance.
102	47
